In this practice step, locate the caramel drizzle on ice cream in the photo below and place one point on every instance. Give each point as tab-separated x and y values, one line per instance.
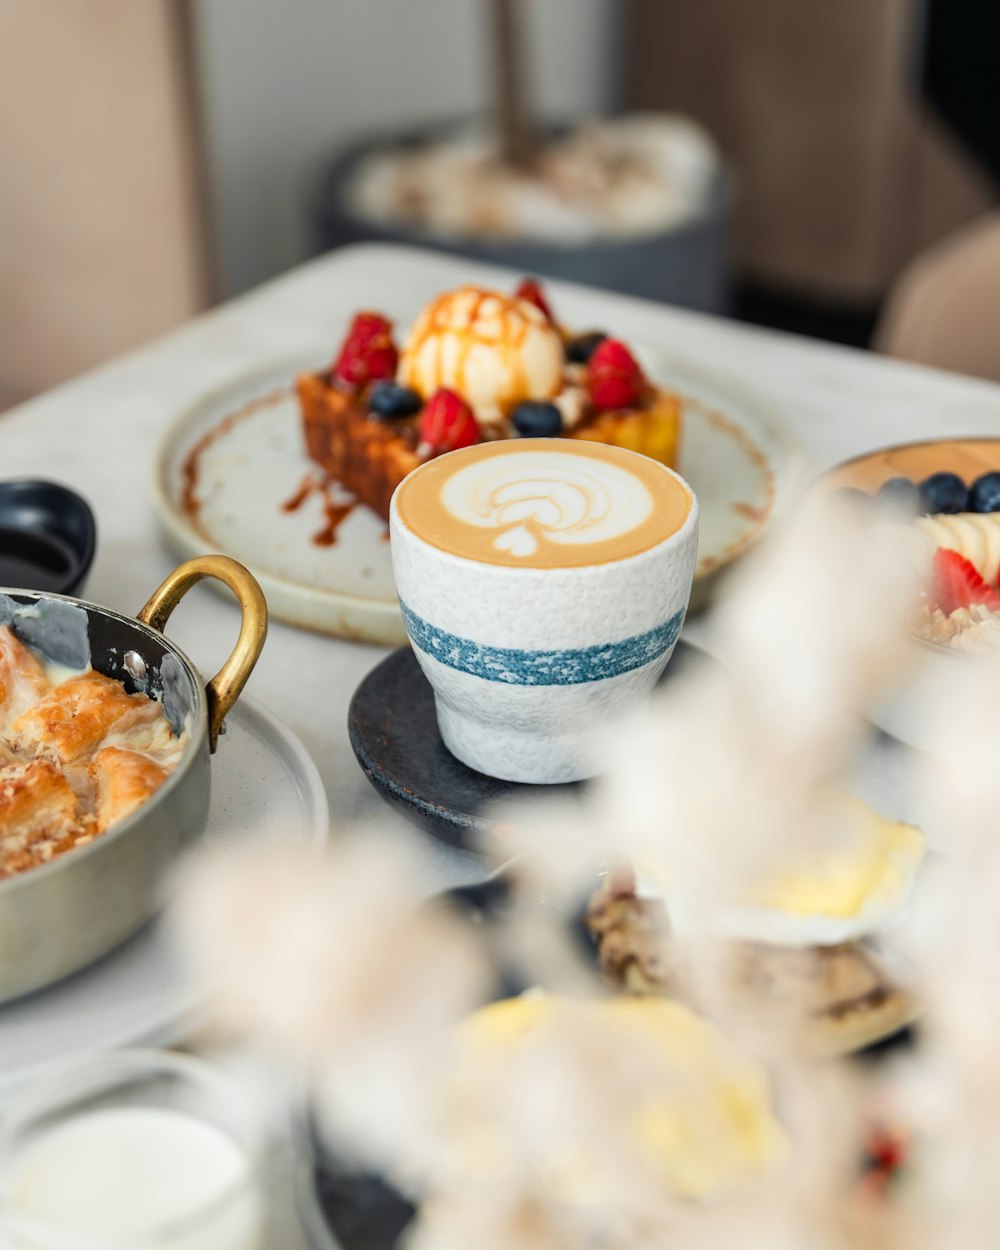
471	320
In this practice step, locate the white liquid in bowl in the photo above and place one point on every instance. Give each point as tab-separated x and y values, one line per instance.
106	1178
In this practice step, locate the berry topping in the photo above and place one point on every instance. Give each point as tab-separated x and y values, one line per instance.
537	419
580	349
368	353
391	401
944	492
885	1156
530	290
958	585
614	379
447	423
900	494
985	493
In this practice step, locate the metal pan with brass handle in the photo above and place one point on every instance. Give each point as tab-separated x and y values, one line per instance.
61	916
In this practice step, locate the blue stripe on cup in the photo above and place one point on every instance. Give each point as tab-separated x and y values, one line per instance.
564	667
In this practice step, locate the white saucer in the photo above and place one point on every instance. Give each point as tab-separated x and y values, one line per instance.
246	442
262	781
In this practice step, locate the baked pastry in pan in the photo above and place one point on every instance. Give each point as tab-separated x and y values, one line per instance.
76	716
123	780
23	680
78	753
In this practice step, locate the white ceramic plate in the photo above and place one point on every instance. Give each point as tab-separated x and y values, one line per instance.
247	445
263	784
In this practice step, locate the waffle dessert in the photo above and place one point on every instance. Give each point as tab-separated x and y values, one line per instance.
476	365
77	755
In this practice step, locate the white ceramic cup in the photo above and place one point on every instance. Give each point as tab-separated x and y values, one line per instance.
531	665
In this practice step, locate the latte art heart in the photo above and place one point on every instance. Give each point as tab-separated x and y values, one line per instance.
553	504
547	497
518	541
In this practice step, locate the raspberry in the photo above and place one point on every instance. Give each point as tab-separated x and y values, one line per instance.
447	423
957	584
368	352
530	290
614	379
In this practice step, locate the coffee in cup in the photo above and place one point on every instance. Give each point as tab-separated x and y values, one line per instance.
543	583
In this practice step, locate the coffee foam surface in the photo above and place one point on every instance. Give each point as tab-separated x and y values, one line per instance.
543	503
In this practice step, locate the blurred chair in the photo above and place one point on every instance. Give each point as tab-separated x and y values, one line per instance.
945	308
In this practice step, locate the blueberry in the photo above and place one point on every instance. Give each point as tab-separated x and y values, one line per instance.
537	419
580	349
900	494
390	401
944	492
985	493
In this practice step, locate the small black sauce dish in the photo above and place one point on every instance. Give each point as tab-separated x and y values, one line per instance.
47	537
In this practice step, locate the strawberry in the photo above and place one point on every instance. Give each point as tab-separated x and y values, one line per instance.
614	379
530	290
447	423
368	352
885	1156
957	584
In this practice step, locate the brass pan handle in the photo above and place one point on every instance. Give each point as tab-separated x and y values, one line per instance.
224	688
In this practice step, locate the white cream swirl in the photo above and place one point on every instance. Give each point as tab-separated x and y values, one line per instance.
547	497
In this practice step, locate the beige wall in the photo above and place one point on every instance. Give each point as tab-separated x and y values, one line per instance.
100	246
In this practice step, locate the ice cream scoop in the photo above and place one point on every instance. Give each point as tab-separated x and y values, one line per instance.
494	350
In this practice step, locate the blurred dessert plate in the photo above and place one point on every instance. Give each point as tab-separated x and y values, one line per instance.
232	474
946	492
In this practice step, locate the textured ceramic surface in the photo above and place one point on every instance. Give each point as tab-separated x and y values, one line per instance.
532	667
263	785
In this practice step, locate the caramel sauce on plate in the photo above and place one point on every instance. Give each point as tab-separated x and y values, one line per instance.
334	511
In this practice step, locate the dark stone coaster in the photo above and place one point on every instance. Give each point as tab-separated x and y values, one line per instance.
394	733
